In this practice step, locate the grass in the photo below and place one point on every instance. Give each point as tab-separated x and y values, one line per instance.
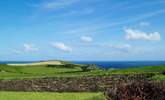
50	96
53	62
158	78
147	69
16	72
42	71
8	72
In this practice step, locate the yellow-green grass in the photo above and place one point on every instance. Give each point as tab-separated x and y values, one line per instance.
55	62
50	96
146	69
39	71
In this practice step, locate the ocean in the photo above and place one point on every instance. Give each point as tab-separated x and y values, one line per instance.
121	64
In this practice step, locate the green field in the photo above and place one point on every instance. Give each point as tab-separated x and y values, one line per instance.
12	72
50	96
43	71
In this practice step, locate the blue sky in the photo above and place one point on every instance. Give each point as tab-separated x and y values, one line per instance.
82	30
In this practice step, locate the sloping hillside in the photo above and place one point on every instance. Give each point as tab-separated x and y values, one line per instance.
51	62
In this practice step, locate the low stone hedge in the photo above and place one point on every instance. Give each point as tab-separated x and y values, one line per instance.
69	84
137	90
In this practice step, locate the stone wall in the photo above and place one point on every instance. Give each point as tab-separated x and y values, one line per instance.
69	84
137	90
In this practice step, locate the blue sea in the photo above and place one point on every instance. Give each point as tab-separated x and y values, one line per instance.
121	64
107	64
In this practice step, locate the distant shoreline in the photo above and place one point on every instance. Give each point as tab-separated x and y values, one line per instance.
121	64
101	64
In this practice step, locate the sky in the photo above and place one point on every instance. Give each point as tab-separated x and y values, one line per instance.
88	30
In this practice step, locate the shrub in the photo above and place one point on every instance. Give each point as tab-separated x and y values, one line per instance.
70	66
141	90
88	67
163	73
62	66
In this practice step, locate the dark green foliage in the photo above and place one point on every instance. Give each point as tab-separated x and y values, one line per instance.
88	67
70	66
163	73
92	66
85	68
63	66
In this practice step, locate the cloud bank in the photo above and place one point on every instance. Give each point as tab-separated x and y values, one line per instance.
132	34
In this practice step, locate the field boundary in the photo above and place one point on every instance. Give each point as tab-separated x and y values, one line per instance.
69	84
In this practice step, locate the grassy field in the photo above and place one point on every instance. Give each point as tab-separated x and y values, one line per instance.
42	71
50	96
12	72
53	62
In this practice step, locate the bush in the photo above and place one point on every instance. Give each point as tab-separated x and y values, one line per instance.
142	90
163	73
85	68
70	66
88	67
62	66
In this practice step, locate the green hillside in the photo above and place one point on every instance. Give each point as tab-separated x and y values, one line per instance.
67	70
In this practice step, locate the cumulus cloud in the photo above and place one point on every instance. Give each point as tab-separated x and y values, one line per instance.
86	39
132	34
61	46
30	47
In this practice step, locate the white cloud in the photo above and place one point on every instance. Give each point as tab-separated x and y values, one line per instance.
97	26
132	34
123	46
30	47
144	24
86	39
79	12
56	4
61	46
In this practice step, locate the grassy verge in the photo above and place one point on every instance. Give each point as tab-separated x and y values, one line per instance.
50	96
